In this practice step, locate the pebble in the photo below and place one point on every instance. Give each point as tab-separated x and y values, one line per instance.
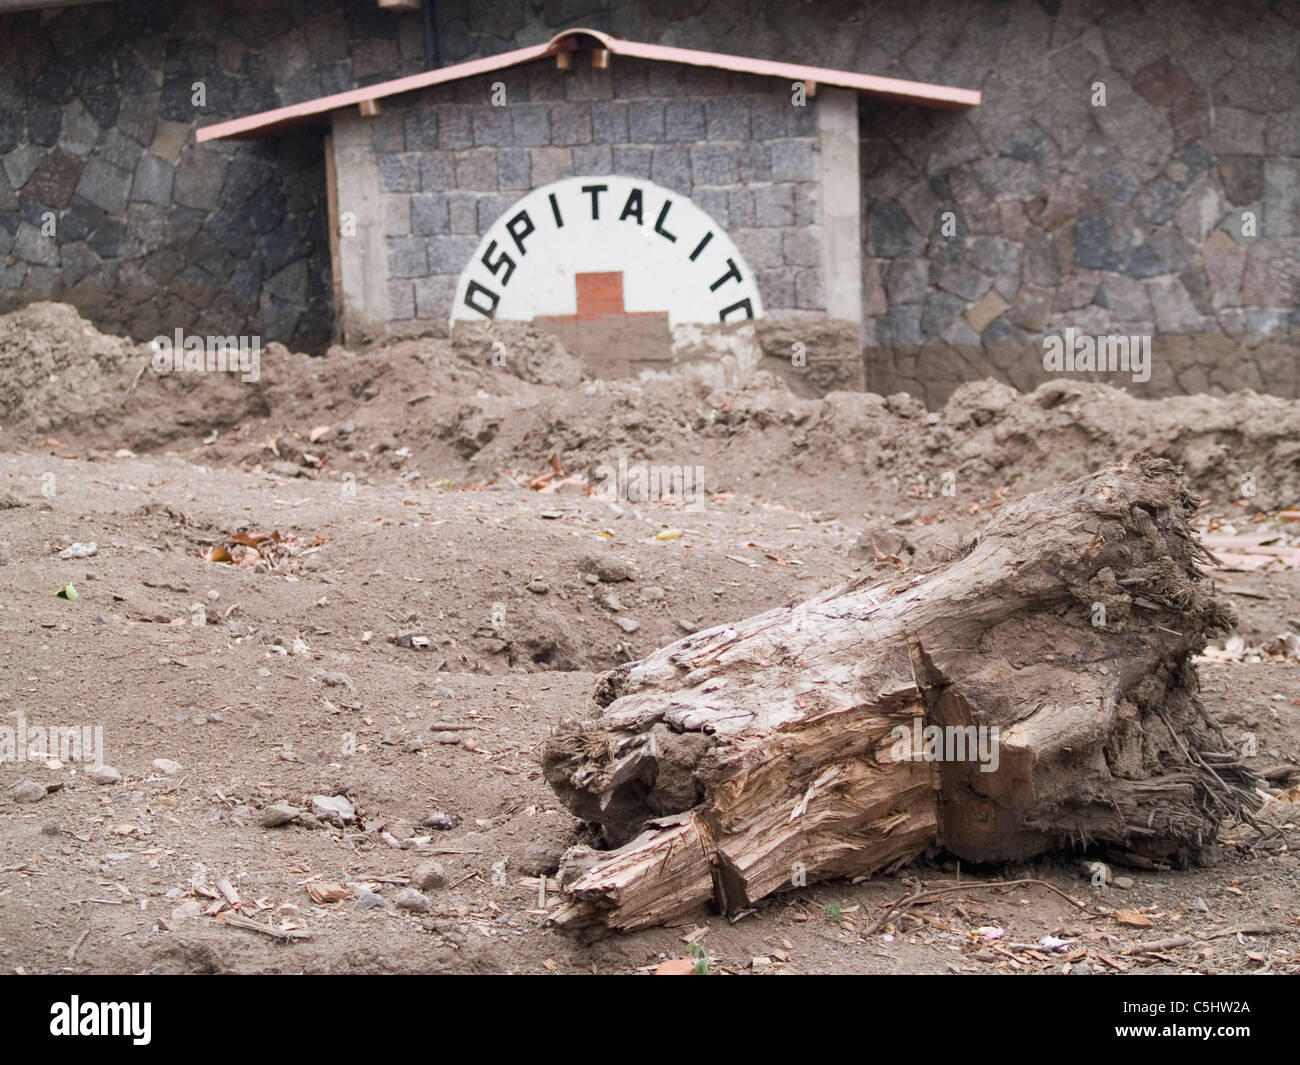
538	586
333	808
412	901
166	766
606	567
428	876
186	911
79	550
400	829
368	900
412	745
446	737
27	791
444	693
540	858
652	593
105	774
51	828
241	814
1124	882
6	552
628	625
278	814
439	821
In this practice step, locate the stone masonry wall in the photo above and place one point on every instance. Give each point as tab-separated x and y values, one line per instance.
1123	218
450	163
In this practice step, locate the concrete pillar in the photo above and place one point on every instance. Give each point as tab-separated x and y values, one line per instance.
363	252
837	132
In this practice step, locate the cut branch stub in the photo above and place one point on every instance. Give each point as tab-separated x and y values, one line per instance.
1036	692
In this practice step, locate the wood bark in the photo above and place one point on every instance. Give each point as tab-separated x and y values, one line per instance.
754	757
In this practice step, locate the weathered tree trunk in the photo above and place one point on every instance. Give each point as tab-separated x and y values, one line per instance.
744	759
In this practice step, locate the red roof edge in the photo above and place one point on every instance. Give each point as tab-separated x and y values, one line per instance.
310	112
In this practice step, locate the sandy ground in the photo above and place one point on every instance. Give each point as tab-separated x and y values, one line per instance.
425	617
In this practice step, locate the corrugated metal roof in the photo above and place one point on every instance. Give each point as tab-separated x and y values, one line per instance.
310	112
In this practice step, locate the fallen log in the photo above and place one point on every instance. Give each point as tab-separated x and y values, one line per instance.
1036	692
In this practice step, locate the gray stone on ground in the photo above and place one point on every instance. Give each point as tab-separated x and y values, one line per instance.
412	901
105	774
278	814
428	876
27	791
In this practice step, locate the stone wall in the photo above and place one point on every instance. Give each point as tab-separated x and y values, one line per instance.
1132	218
451	162
1125	218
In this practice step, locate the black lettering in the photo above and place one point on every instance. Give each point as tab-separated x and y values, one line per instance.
495	265
632	209
659	222
516	228
733	273
555	210
475	289
701	245
744	305
594	192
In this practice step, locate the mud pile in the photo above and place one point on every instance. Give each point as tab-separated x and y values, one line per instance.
502	400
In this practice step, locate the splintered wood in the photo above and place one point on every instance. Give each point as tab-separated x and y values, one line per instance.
1035	692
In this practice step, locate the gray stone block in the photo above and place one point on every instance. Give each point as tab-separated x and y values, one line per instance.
79	132
768	116
493	127
777	288
420	125
399	172
632	160
889	234
532	124
714	164
153	181
570	124
807	204
428	215
448	255
794	159
713	202
740	207
490	208
103	184
34	248
726	118
802	121
760	247
609	122
513	168
810	295
774	205
670	166
455	128
407	256
436	171
462	212
388	132
684	120
755	162
593	159
21	163
801	247
476	170
433	296
645	121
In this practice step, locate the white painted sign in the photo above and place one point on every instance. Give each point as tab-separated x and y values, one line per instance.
673	258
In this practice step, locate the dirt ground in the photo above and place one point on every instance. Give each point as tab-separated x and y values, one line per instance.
384	577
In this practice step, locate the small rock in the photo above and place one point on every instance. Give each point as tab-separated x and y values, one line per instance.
10	501
27	791
606	567
51	828
652	593
166	766
412	901
278	814
6	552
1199	903
541	858
428	876
413	744
446	737
333	808
440	821
444	693
79	550
628	625
1124	882
241	814
538	586
368	900
400	829
105	774
336	680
